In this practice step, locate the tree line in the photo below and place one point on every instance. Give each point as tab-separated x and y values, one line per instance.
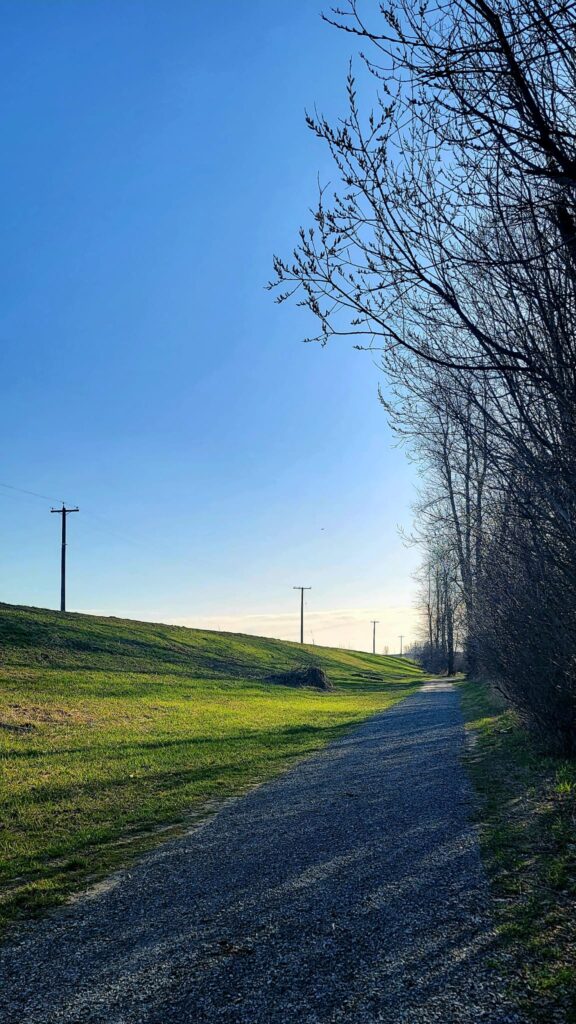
448	246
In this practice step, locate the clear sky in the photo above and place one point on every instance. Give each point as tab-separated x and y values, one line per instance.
154	156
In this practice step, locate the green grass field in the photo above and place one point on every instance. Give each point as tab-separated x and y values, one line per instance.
115	733
527	818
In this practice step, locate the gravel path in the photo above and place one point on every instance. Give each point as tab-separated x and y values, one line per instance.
350	889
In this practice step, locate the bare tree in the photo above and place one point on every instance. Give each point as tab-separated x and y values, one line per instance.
450	247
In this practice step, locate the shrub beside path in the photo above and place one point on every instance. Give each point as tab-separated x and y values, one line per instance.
349	889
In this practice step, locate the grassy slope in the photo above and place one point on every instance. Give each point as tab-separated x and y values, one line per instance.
112	730
527	819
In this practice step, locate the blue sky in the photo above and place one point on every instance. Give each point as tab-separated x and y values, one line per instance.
154	157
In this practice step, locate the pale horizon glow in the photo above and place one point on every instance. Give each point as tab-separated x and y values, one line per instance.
348	628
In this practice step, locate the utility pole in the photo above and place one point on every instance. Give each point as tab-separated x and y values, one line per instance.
374	624
401	637
301	589
63	512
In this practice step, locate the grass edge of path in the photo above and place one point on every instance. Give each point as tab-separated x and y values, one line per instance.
526	816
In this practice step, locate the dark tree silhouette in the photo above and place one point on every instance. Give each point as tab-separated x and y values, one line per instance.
449	246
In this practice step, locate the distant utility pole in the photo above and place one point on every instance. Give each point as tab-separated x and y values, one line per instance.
301	589
374	624
401	637
63	512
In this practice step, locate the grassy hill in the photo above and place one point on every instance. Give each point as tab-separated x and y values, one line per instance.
114	733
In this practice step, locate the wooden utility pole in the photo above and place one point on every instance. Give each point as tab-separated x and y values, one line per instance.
374	624
63	512
401	637
301	589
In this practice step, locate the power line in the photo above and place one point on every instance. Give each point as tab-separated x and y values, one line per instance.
106	527
103	525
35	494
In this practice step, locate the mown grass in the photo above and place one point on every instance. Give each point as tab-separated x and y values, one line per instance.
527	817
113	733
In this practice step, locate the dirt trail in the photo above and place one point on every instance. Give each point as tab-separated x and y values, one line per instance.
350	889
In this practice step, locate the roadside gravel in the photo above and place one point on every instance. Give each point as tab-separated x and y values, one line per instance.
349	889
